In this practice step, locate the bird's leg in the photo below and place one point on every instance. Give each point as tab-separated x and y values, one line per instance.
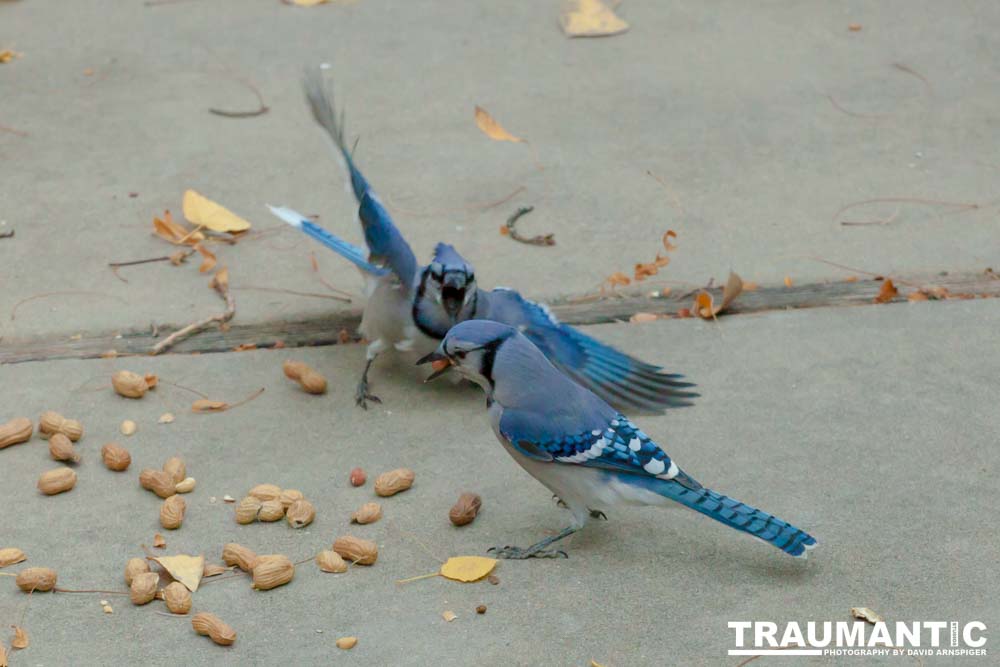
361	395
559	502
537	550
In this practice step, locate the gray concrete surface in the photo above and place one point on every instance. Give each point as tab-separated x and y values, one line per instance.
874	428
726	103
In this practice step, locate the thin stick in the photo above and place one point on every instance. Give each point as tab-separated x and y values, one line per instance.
541	239
294	292
96	590
20	133
673	198
13	312
315	267
422	576
7	235
475	208
854	113
886	221
165	258
223	290
907	200
260	111
909	70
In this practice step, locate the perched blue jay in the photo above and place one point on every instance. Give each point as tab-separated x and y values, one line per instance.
411	306
588	454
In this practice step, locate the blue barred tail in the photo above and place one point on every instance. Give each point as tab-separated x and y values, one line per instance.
793	541
331	241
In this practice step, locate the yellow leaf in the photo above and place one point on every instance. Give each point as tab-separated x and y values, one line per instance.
8	55
204	212
20	638
590	18
309	3
467	568
186	569
866	614
493	129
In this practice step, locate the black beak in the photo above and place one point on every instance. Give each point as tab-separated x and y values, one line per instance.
439	363
453	294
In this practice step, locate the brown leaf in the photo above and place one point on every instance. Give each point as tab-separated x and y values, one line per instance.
20	638
851	279
640	318
176	233
159	542
179	257
669	234
866	614
854	27
684	312
221	279
916	296
212	569
618	278
788	281
887	293
704	306
243	347
750	286
151	380
492	129
504	230
209	262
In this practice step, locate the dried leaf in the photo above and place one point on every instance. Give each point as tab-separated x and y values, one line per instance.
245	347
309	3
448	616
640	318
177	234
504	230
618	279
590	18
159	542
916	296
8	55
213	569
854	27
851	279
178	257
221	279
208	405
887	293
866	614
165	418
186	569
704	306
788	281
201	211
467	568
493	129
20	638
750	286
669	234
209	262
684	312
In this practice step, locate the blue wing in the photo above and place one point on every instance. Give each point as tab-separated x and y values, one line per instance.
386	246
335	243
616	377
616	444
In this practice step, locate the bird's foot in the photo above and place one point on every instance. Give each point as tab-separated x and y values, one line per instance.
598	514
517	553
362	396
559	502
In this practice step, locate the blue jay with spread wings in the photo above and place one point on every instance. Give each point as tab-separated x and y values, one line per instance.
588	454
412	307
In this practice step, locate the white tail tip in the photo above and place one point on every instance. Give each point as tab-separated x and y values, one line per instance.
294	218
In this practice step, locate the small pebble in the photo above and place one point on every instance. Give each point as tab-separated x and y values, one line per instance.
481	609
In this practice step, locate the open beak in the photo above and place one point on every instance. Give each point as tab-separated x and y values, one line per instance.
440	364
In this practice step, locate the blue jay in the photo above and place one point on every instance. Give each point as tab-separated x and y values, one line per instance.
588	454
412	307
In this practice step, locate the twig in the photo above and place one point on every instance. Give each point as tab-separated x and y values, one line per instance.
95	590
673	198
222	287
260	111
867	273
13	312
7	235
886	221
165	258
475	208
295	293
909	70
322	280
907	200
541	239
854	113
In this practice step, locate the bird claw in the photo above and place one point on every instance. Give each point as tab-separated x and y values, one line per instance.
559	502
598	514
361	397
517	553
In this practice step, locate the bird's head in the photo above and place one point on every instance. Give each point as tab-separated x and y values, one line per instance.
450	282
470	348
